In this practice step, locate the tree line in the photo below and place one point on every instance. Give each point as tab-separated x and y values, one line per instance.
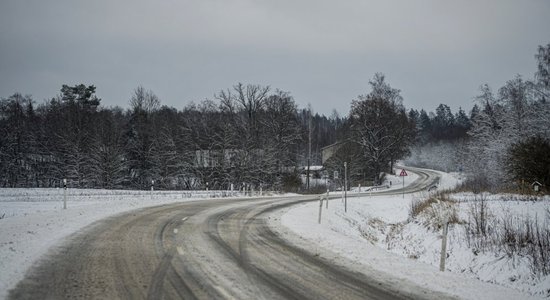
246	135
253	136
504	142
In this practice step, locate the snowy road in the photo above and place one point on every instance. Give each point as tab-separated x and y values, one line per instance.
208	249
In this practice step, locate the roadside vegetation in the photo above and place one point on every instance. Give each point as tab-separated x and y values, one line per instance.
493	224
501	211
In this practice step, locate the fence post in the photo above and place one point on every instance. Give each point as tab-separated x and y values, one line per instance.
443	246
320	207
152	188
345	187
64	193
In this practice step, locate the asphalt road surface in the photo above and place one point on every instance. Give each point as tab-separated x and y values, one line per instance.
219	249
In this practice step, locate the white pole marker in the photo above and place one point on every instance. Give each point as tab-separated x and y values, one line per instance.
443	247
64	193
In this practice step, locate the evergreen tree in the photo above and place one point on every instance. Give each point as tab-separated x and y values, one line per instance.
70	122
528	161
109	164
141	138
462	123
425	127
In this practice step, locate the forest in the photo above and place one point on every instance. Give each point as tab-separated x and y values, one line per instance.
247	135
251	135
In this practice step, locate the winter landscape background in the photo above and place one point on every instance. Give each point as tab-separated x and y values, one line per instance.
490	162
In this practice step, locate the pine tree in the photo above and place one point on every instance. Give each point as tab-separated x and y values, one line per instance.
528	161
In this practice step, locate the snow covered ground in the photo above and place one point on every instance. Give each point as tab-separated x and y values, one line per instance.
33	220
378	233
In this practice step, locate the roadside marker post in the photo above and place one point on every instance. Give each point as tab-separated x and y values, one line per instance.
443	246
345	187
64	193
327	200
372	187
320	207
152	188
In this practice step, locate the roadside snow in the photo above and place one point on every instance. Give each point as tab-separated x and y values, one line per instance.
33	220
391	182
396	181
375	234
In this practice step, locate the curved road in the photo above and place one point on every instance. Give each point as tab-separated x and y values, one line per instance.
219	249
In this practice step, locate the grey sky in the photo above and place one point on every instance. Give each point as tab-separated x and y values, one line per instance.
323	52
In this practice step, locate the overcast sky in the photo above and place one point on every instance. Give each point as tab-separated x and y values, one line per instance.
323	52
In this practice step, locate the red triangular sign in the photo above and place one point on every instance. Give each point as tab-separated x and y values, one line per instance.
403	173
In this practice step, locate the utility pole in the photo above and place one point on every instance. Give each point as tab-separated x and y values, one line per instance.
345	187
309	146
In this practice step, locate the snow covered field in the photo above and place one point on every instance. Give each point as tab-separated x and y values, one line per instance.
33	220
378	233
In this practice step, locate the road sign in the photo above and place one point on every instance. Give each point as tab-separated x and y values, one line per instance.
335	174
403	173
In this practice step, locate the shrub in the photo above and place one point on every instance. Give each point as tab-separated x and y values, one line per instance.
528	237
513	235
479	224
318	189
475	185
420	204
291	182
528	160
436	210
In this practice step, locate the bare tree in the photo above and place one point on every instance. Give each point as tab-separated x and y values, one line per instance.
380	125
543	72
516	99
281	132
144	100
244	105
